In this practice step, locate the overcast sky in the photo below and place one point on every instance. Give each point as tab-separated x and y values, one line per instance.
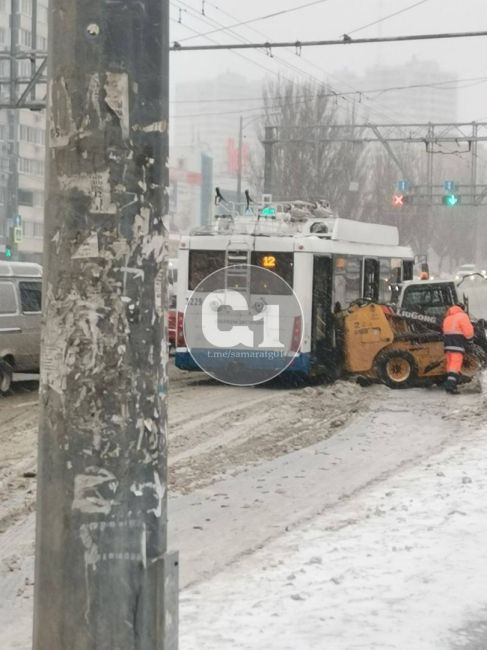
465	58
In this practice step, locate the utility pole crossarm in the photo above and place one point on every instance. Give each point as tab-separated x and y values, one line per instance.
268	46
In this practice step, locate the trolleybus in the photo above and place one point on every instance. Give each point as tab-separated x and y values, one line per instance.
328	261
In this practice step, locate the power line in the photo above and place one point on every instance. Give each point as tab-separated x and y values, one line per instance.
346	40
381	20
239	37
258	19
239	54
434	84
336	93
373	108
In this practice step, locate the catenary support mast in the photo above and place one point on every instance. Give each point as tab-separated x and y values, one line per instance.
103	577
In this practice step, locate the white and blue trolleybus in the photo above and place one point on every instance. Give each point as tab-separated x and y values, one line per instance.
328	261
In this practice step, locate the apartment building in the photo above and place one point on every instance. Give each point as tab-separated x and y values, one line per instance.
22	133
415	91
206	115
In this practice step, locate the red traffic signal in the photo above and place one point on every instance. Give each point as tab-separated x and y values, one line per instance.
399	199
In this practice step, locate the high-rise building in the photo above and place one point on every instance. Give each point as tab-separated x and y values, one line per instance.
416	91
206	114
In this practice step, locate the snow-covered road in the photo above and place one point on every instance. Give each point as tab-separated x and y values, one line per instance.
327	517
400	565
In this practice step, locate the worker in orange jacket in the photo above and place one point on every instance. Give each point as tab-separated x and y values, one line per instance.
457	330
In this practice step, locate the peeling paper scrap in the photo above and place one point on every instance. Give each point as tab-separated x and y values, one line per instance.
51	366
89	248
155	127
158	293
97	186
117	98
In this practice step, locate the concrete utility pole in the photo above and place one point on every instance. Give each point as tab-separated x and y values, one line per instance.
12	204
269	141
104	580
478	231
240	162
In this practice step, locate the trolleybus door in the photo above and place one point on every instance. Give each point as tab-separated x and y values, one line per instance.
371	277
322	317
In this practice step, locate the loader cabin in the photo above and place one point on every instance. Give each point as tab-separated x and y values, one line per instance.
426	297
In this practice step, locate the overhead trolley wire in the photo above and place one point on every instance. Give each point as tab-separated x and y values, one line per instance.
375	107
381	20
275	14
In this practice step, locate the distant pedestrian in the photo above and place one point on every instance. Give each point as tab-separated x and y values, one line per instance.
457	331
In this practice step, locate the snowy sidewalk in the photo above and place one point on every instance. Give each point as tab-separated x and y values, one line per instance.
402	566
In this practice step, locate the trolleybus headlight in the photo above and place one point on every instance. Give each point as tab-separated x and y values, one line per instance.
180	340
296	338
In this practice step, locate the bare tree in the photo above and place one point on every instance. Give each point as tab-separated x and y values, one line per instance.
307	165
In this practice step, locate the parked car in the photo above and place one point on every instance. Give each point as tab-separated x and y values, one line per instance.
20	319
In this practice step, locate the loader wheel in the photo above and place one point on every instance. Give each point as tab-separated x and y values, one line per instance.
396	368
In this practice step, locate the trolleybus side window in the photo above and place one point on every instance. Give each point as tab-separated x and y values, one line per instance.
202	264
282	264
408	270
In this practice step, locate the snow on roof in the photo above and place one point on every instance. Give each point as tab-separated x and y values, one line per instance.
25	269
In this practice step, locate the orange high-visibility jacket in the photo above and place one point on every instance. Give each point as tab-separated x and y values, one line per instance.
457	329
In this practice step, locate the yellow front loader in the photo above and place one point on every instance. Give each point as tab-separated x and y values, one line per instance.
380	345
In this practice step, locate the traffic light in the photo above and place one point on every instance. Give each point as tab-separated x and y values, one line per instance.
8	251
451	200
399	199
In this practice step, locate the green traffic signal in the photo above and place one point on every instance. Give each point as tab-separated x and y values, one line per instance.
8	251
451	200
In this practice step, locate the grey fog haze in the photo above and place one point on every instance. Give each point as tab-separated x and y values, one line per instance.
465	59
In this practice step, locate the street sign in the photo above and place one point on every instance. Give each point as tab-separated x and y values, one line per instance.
403	185
18	234
449	186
